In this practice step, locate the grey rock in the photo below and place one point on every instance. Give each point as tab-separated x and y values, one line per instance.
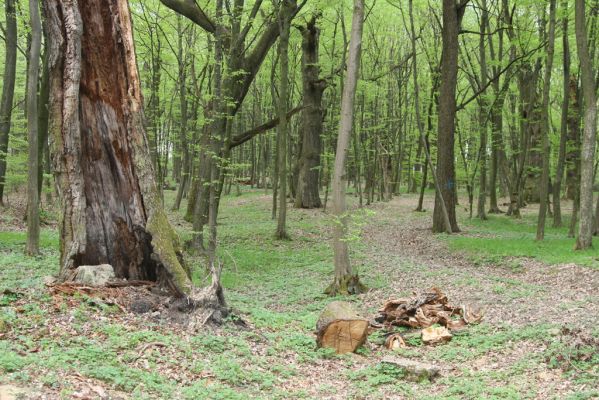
414	370
94	275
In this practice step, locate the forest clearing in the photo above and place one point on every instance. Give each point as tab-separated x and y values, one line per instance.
528	345
286	199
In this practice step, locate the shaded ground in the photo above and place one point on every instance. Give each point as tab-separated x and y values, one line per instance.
78	347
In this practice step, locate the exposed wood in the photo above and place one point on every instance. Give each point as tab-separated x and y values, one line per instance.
340	327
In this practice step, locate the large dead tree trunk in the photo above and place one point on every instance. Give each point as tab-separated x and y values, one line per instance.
111	207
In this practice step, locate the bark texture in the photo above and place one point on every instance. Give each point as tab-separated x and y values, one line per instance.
8	87
33	196
589	137
307	195
345	282
111	208
452	16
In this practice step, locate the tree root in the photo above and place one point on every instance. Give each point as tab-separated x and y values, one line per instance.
347	285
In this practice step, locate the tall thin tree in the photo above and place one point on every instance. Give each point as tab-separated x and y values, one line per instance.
8	87
33	217
345	281
283	128
589	137
544	189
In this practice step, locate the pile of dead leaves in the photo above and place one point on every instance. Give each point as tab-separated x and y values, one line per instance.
423	312
134	296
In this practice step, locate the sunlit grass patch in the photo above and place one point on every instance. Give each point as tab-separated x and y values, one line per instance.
502	237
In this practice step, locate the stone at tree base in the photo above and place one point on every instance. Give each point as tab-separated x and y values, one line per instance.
341	327
49	280
414	370
94	275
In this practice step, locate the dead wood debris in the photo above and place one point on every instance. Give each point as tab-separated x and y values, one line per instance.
422	312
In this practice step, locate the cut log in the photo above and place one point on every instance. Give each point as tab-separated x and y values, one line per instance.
341	327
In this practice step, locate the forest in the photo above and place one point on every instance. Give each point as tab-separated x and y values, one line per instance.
299	199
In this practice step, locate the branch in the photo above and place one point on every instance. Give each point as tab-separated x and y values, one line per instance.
190	9
248	135
391	69
497	75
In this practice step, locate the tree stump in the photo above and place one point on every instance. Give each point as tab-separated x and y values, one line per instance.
341	327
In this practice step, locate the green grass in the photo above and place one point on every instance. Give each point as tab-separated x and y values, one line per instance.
277	287
501	237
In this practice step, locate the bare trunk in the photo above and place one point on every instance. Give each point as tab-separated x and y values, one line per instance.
33	196
452	16
8	87
544	189
283	128
589	138
559	173
307	195
345	282
482	188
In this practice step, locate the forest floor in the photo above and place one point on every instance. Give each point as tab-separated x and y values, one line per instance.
539	337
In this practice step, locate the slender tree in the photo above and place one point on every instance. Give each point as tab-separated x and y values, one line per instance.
283	127
8	87
559	173
589	138
33	218
345	281
544	190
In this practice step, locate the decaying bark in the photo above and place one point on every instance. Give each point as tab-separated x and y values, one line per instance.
111	207
425	310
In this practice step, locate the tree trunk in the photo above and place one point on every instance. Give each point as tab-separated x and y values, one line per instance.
186	163
559	173
33	195
111	207
452	16
573	154
423	136
42	119
482	188
589	138
573	142
8	87
307	195
345	282
283	127
544	189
